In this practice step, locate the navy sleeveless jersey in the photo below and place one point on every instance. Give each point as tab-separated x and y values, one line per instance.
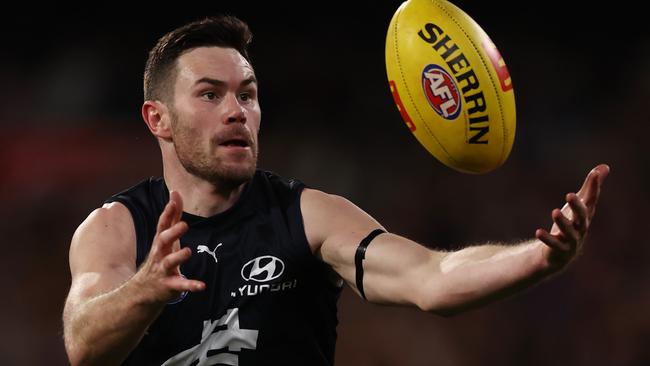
268	299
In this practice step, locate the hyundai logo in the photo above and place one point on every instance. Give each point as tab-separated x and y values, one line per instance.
262	269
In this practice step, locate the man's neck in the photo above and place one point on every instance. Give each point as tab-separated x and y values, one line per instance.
200	197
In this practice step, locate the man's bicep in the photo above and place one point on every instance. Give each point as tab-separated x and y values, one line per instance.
102	252
395	268
402	271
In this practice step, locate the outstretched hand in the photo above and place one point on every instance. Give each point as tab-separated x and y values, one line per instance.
160	274
571	223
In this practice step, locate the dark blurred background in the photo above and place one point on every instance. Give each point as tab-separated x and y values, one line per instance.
70	96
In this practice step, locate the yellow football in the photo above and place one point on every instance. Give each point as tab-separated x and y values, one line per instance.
451	85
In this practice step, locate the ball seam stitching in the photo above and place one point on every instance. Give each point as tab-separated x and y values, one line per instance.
408	92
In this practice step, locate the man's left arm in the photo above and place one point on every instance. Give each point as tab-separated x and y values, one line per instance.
399	271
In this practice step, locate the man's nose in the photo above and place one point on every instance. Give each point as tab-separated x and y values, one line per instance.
235	112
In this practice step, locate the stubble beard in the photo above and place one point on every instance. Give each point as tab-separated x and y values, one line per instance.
204	164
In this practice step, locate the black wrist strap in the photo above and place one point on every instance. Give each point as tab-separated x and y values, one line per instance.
360	255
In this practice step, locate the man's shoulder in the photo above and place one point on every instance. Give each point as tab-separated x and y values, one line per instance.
145	186
280	182
148	197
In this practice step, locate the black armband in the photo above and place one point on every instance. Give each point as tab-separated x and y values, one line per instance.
360	255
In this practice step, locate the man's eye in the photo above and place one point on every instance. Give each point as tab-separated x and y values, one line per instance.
244	96
209	96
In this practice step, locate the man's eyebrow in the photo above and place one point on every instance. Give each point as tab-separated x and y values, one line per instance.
216	82
249	80
211	81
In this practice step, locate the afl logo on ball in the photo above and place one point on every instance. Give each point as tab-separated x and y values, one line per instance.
441	92
262	269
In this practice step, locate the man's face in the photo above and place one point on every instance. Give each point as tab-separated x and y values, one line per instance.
215	116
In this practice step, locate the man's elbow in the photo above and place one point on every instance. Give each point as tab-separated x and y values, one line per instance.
83	356
439	305
443	311
77	354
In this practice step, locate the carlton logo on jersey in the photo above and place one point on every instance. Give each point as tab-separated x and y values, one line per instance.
441	92
222	341
264	270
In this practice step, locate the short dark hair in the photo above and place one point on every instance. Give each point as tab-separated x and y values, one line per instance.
220	31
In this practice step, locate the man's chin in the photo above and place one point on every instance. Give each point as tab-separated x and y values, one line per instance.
224	174
239	174
234	174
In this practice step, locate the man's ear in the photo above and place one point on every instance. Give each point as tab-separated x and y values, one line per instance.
156	116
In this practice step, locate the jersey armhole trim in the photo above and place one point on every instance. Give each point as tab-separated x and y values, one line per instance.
139	226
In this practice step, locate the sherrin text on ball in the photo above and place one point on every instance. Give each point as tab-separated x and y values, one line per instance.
451	85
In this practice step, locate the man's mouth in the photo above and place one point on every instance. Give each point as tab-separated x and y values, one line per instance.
235	143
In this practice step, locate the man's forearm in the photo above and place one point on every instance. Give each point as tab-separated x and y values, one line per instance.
103	330
478	275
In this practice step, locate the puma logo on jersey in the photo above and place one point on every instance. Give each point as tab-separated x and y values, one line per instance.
206	249
223	346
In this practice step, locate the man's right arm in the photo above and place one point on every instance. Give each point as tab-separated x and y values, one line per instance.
110	304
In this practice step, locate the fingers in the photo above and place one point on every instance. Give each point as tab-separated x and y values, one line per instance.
551	240
593	189
175	259
166	238
175	197
603	171
580	213
569	232
566	233
180	284
162	280
590	190
570	224
172	212
166	218
168	230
